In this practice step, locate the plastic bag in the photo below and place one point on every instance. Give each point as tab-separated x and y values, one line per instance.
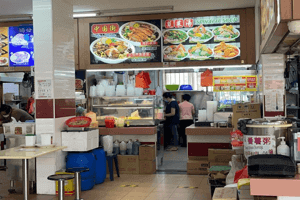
236	165
243	173
237	138
207	78
142	80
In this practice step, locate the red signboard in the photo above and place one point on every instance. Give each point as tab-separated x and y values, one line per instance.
105	28
188	23
169	23
251	79
179	23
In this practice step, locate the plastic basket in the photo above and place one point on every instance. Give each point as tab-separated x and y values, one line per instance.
74	119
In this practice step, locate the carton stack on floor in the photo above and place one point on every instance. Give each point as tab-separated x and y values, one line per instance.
199	165
147	159
144	163
225	194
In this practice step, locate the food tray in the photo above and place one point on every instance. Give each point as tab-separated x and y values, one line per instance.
74	119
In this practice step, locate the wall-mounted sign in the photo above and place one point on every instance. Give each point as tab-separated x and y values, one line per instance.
202	38
235	83
267	9
125	42
16	46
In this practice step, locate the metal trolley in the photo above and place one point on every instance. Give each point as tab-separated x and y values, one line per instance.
14	167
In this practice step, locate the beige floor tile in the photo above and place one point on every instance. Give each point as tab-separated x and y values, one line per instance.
143	189
186	196
110	198
184	190
164	189
160	194
202	195
137	194
133	198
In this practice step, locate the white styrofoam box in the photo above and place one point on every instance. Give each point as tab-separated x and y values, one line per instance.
80	141
45	186
222	116
45	170
288	198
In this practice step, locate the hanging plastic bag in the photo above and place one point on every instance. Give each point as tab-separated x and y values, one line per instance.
207	78
243	173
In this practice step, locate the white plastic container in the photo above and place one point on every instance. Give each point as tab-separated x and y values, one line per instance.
130	91
100	90
283	149
138	92
30	140
93	91
116	147
22	127
123	148
120	90
108	144
129	147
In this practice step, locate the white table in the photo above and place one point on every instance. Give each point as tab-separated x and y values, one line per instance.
25	154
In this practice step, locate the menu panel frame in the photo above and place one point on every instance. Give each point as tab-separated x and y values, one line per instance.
84	39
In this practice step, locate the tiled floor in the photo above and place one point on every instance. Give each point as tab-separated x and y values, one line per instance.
150	187
174	160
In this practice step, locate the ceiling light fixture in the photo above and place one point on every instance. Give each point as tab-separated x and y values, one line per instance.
85	14
137	10
171	68
8	18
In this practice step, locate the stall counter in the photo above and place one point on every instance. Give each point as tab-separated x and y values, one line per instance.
128	131
200	139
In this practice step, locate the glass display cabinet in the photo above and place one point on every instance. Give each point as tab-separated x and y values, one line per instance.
138	111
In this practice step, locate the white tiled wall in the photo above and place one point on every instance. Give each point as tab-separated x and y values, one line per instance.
54	60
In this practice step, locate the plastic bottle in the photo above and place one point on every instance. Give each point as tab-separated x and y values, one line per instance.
135	147
116	147
129	147
123	148
283	149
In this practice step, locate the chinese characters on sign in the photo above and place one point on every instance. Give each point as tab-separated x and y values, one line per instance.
254	145
235	83
125	42
44	89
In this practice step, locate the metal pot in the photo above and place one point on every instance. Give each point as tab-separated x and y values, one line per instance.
261	127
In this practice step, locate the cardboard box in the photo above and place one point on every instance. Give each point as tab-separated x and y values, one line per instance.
147	167
205	158
245	194
197	167
245	187
218	164
220	155
128	164
69	184
247	110
225	194
147	152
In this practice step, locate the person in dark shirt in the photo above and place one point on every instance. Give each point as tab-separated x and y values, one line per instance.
172	121
7	112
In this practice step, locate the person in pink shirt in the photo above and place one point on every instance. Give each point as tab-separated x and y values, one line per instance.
187	112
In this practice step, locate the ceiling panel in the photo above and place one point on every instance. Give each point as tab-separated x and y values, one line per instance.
15	7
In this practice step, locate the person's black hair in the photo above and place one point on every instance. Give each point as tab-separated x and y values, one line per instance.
186	97
5	108
167	95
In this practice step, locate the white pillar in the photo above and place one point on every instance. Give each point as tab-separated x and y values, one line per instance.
54	64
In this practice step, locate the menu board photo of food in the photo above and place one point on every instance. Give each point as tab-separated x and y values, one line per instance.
125	42
4	55
267	13
21	51
235	83
201	38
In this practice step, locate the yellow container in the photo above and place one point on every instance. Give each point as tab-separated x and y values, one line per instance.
69	184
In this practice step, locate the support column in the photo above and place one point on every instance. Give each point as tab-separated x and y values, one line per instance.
54	65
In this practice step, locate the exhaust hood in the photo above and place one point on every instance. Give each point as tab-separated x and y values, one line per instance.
11	77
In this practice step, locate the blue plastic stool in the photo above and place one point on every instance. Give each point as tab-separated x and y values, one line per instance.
109	159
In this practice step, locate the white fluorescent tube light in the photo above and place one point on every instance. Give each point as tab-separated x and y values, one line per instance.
169	68
91	14
6	18
137	10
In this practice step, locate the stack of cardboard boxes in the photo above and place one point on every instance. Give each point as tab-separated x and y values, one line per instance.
147	159
225	194
244	193
247	110
199	165
144	163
